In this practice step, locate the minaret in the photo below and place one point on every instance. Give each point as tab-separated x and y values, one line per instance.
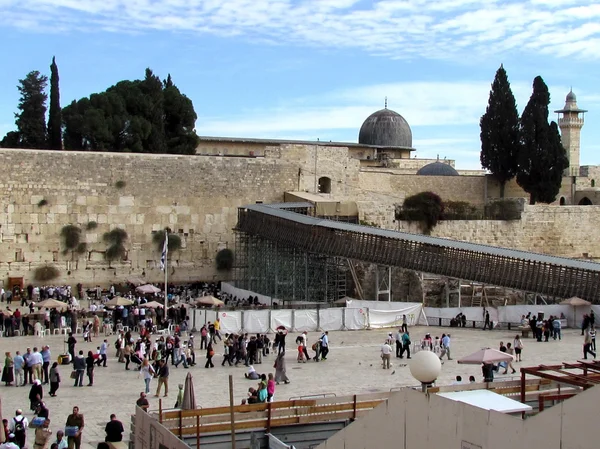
570	124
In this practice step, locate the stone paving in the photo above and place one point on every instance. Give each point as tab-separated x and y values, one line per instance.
353	366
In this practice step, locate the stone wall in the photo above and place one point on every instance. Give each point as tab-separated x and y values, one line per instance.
567	231
196	196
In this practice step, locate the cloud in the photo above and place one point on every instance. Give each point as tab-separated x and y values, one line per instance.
392	28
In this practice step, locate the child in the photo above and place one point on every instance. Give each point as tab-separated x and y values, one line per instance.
301	354
270	388
593	336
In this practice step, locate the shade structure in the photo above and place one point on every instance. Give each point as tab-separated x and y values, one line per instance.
208	301
51	304
486	356
152	305
136	281
575	301
148	288
118	301
189	397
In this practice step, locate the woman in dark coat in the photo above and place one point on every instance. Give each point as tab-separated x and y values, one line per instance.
35	394
89	364
8	374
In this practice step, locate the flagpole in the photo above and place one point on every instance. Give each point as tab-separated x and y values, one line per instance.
166	251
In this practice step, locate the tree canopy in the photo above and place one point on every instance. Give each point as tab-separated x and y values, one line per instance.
54	116
142	116
542	158
500	132
31	120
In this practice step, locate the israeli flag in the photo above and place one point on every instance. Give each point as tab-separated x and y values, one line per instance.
163	258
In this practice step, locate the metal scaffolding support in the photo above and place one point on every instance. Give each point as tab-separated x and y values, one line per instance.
383	283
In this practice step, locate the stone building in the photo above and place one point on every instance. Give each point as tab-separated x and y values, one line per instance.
197	197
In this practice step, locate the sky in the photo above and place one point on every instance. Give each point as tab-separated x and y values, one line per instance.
316	69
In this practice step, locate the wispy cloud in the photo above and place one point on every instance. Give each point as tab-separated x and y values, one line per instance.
394	28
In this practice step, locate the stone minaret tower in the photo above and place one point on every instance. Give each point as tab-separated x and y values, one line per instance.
570	124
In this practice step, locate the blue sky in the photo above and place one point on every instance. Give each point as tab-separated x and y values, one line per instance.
308	69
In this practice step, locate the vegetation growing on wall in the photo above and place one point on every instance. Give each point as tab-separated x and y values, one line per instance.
426	208
115	240
224	260
91	226
120	184
43	202
461	210
71	238
46	273
173	244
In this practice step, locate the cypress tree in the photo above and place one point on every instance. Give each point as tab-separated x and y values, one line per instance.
500	131
55	115
542	159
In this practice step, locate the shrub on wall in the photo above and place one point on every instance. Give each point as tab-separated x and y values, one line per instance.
46	273
116	244
120	184
81	248
173	244
504	209
91	225
424	207
42	202
224	259
71	237
461	210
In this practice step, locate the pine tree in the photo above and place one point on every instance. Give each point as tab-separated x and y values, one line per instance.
543	159
500	131
55	116
31	120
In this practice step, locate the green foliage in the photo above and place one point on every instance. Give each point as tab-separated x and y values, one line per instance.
174	243
81	248
46	273
504	209
142	116
91	225
424	207
43	202
115	240
55	115
460	210
71	237
31	120
542	159
224	260
120	184
500	132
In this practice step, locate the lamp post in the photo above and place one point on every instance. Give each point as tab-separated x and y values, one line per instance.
425	366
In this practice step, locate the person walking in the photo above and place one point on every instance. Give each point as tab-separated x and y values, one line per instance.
127	354
103	354
79	368
71	342
510	350
518	345
18	363
445	343
399	343
54	379
587	344
76	422
8	375
386	353
46	357
280	370
324	345
148	372
89	365
405	345
209	355
404	324
487	323
18	426
163	378
42	436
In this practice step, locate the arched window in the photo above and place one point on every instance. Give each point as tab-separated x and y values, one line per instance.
585	201
324	184
593	183
562	201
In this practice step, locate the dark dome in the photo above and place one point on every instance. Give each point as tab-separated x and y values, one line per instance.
385	128
571	96
437	169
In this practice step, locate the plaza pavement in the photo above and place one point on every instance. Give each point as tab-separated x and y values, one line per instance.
353	366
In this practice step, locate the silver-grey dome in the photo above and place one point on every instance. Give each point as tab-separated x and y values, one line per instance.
385	128
437	169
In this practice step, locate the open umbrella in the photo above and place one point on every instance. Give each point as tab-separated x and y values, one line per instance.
51	304
486	356
209	301
189	397
136	281
575	302
148	288
152	305
118	301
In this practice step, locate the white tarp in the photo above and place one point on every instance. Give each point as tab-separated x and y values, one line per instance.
472	313
380	305
305	320
211	316
256	321
198	318
245	294
281	318
331	319
231	322
355	319
393	318
513	314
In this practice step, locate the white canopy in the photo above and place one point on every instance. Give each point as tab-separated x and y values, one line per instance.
487	400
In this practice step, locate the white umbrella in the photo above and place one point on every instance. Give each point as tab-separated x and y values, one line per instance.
152	305
118	301
487	356
209	301
148	288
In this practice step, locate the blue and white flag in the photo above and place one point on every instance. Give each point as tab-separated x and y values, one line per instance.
163	258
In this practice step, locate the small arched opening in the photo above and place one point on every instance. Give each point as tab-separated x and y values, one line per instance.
562	201
324	184
593	183
585	201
